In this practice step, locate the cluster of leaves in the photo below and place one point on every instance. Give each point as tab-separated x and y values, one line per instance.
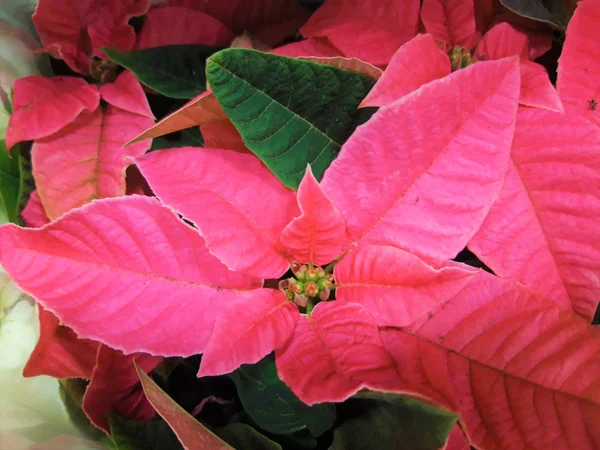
368	168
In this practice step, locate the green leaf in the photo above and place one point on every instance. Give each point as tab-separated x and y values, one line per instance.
12	176
401	423
290	112
71	392
176	71
242	436
139	435
273	406
555	13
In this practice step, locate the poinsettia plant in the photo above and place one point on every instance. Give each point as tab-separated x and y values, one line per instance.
337	225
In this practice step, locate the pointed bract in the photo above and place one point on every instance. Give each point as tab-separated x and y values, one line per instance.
121	262
74	31
191	433
424	171
537	89
334	353
542	229
59	353
521	371
383	27
185	26
112	28
501	41
115	387
450	22
318	235
86	159
396	286
239	207
42	106
578	80
203	109
127	94
248	331
416	63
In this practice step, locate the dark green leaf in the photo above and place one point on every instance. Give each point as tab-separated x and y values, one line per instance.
138	435
11	184
190	137
176	71
273	406
242	436
553	12
71	392
290	112
392	422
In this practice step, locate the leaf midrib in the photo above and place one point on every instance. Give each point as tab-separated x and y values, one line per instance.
133	272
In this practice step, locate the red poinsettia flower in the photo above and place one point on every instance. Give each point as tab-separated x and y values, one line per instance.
76	31
169	290
421	59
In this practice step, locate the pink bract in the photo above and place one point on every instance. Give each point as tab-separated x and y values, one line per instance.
42	106
579	63
384	26
85	160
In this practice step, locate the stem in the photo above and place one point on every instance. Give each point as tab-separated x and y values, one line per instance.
310	305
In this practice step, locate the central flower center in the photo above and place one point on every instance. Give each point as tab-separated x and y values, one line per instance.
309	285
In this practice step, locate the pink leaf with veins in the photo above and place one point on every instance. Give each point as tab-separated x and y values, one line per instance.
522	371
86	160
191	433
127	94
121	261
236	202
423	177
451	22
248	331
318	235
543	229
384	26
334	353
42	106
578	80
396	286
416	63
185	25
115	387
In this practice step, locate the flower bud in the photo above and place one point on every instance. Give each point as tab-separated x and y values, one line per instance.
312	274
300	300
324	294
311	289
296	287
